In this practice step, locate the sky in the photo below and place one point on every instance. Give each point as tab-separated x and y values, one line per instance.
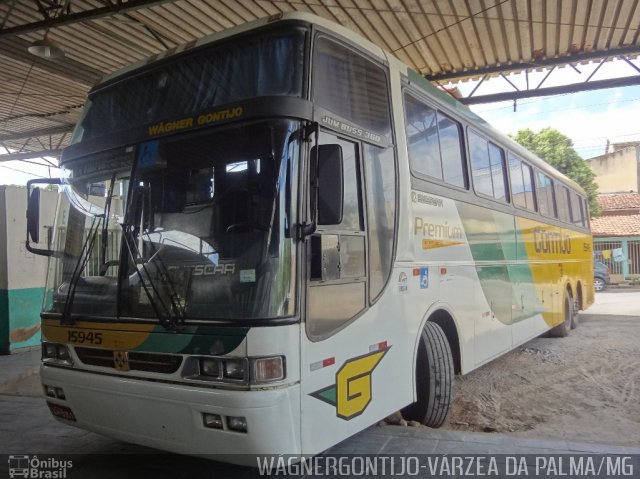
19	172
588	118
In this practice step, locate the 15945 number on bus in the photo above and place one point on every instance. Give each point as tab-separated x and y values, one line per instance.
82	337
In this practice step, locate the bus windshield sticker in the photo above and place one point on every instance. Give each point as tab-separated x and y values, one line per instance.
247	275
148	154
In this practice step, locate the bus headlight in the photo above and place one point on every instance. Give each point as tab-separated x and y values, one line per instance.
49	351
234	368
210	367
241	371
56	354
268	369
63	353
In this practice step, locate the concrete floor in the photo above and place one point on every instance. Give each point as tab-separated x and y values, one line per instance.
27	428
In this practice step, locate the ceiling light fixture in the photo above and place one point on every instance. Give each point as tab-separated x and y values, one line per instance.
46	48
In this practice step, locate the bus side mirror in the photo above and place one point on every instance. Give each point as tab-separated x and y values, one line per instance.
330	185
33	215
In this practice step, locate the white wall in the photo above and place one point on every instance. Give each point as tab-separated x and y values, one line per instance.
20	268
617	172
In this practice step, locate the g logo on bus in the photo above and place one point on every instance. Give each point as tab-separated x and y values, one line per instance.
121	360
351	393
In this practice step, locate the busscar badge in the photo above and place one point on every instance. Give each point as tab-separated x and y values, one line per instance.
121	360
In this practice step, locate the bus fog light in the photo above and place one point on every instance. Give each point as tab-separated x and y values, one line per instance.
214	421
210	367
60	393
237	423
268	369
50	391
234	369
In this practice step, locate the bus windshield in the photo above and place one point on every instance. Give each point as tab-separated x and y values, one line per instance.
203	230
213	75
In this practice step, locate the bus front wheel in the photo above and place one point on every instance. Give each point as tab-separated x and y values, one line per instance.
434	378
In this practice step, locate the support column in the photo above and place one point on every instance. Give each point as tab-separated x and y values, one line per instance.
625	263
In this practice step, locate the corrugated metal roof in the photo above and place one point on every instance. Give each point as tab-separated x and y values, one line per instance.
435	37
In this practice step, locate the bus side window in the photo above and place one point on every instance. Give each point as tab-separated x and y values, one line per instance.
453	163
529	189
380	179
522	191
562	197
422	139
488	168
500	185
576	209
545	195
434	145
517	182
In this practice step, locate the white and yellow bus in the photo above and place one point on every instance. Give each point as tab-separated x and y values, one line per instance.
269	239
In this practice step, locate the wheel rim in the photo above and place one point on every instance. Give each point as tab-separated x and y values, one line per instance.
599	284
568	311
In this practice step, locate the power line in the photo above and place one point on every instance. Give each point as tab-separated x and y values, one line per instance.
20	171
510	106
446	27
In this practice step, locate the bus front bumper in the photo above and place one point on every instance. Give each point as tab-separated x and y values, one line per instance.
169	416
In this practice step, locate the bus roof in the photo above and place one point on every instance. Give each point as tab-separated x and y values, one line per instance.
445	100
214	37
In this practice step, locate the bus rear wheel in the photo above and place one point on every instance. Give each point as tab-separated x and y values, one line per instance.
562	330
434	379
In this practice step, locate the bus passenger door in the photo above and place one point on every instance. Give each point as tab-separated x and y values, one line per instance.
335	295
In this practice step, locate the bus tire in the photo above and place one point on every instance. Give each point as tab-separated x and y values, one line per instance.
577	304
562	330
434	378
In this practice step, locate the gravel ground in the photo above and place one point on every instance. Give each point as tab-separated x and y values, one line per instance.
585	387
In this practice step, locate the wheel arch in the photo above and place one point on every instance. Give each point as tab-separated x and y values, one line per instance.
443	317
568	288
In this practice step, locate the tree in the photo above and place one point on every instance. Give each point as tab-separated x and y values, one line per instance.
557	150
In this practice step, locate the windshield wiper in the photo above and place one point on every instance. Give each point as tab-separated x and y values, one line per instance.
104	266
83	259
166	317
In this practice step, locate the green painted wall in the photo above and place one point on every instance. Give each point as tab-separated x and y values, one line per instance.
22	274
20	318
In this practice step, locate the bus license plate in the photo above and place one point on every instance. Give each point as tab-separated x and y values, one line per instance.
62	412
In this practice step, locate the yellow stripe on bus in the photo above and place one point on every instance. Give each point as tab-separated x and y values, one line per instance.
102	335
